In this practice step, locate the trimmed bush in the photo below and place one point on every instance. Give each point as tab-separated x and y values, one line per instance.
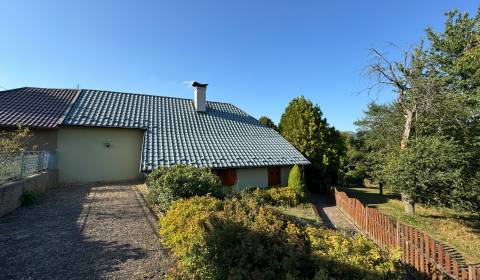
277	196
296	183
166	185
240	239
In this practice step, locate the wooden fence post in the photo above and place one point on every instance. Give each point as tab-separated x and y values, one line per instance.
471	273
366	218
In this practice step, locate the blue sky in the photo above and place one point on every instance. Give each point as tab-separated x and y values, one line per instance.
255	54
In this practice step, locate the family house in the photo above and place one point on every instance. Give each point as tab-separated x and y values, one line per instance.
113	136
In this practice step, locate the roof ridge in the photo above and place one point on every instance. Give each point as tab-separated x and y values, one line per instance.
45	88
153	95
119	92
12	89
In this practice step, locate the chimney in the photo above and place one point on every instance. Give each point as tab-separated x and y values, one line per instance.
200	96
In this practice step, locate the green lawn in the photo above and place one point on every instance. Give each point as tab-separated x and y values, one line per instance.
303	213
459	229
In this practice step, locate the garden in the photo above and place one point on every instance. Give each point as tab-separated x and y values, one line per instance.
255	234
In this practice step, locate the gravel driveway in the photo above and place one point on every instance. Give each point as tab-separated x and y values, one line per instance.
82	232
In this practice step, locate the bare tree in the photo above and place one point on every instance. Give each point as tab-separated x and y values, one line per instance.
408	79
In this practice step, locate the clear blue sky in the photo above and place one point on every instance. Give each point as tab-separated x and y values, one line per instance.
255	54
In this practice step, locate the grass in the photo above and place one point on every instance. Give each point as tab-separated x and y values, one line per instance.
303	213
458	229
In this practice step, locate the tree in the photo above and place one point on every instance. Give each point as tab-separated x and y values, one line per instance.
437	99
430	168
379	132
268	122
303	126
14	141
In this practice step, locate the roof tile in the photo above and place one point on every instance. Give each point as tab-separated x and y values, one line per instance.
35	107
222	137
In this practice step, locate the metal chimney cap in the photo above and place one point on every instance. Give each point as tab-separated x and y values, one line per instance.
197	84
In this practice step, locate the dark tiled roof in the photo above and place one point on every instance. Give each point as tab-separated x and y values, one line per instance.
35	107
224	136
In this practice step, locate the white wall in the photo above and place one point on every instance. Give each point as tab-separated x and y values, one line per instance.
251	177
258	177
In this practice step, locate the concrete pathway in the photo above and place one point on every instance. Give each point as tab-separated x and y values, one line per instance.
82	232
331	215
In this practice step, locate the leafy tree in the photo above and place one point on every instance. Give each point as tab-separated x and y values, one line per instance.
304	127
430	168
15	141
354	167
12	142
435	115
268	122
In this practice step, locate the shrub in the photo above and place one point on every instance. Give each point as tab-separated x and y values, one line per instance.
156	174
181	226
296	183
240	239
236	239
284	196
277	196
28	197
342	257
180	181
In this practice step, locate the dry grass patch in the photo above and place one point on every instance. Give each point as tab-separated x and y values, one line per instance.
303	213
460	229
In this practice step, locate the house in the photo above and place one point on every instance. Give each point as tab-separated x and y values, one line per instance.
113	136
42	110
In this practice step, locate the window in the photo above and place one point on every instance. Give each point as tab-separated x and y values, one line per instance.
227	176
274	178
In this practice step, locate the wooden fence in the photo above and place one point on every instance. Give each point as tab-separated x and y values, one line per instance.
431	258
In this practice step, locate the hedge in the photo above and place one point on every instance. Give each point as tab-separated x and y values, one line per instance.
240	239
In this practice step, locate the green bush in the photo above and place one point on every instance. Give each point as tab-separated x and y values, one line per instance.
277	196
342	257
156	174
181	226
296	183
240	239
28	197
180	181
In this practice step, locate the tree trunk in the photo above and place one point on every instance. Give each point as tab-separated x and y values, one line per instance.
406	128
380	186
409	204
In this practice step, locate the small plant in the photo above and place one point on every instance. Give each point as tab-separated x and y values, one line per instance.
28	197
297	184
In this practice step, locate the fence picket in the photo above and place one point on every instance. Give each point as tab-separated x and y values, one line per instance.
417	249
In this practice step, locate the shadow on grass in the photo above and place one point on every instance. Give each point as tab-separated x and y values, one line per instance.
471	221
370	196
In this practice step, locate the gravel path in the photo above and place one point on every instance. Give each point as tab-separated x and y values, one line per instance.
82	232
